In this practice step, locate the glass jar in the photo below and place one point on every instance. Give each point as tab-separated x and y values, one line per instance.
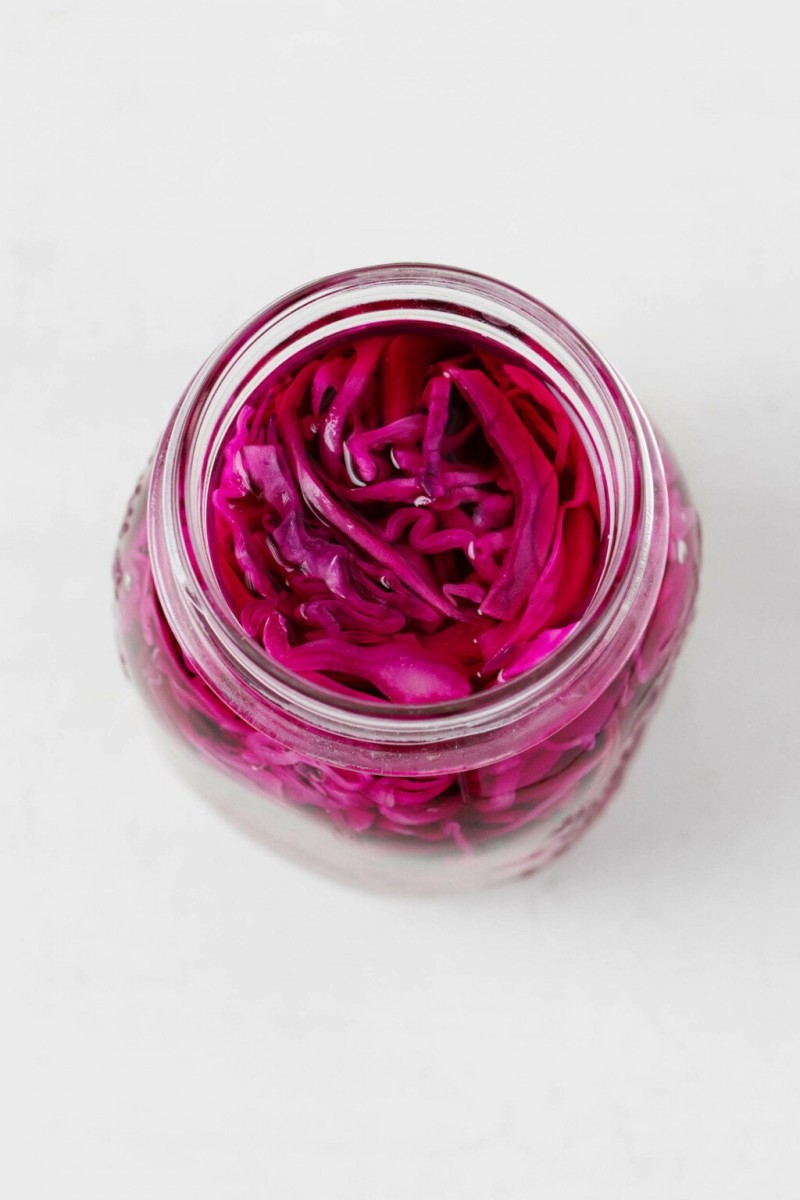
437	796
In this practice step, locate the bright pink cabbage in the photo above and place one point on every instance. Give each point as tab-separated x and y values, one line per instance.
406	517
327	575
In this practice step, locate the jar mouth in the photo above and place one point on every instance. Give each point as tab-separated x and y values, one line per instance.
616	433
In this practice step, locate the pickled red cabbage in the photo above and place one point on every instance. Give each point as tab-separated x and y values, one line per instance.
407	517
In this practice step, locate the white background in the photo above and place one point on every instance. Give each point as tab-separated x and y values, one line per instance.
184	1015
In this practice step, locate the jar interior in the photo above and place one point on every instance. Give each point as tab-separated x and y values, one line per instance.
617	441
406	489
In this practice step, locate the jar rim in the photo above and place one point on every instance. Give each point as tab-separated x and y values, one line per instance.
272	699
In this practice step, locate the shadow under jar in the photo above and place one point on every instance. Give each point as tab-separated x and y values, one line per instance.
405	578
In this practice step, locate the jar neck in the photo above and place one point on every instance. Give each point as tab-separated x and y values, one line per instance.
630	483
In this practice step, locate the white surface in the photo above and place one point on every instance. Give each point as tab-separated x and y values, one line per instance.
185	1016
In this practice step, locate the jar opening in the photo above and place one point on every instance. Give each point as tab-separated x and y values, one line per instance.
618	441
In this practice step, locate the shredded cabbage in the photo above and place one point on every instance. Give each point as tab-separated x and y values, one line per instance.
406	517
410	519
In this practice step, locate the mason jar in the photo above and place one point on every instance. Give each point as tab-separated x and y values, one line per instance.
408	796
